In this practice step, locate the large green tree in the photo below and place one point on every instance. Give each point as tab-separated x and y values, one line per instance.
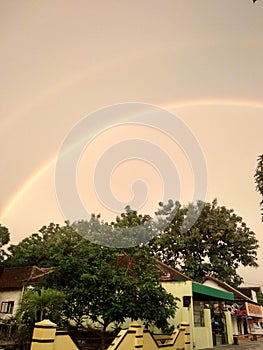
46	248
259	179
110	287
101	284
129	229
205	239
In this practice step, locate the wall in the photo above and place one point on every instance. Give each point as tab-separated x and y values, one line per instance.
203	335
45	337
213	284
179	290
135	337
63	342
10	296
182	314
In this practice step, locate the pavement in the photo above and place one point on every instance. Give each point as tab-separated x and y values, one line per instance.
242	345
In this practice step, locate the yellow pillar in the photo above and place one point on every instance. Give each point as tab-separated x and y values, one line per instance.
229	328
208	326
43	335
138	340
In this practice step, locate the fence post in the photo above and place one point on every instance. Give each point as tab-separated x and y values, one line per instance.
187	340
138	340
43	335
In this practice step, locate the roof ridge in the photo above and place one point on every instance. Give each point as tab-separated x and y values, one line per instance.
226	285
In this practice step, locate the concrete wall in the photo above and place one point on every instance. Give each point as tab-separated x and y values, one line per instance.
14	296
45	337
63	342
179	290
203	335
137	338
184	314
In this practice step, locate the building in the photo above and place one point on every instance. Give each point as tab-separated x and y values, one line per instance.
246	313
199	305
13	283
202	307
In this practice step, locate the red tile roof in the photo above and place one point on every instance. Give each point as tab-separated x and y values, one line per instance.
15	277
167	273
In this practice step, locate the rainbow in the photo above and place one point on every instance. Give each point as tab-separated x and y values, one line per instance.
168	106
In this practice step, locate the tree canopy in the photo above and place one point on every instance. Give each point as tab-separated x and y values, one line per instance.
106	285
216	244
129	229
46	248
38	304
100	284
259	179
198	239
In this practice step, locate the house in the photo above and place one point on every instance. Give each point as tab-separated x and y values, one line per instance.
198	305
201	306
13	283
250	292
246	313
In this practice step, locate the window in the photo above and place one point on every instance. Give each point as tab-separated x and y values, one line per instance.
7	307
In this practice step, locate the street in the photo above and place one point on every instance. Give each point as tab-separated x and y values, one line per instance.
243	345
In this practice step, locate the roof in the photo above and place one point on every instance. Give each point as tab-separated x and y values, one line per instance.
16	277
237	294
247	290
167	273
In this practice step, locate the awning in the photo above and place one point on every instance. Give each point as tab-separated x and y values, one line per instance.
212	292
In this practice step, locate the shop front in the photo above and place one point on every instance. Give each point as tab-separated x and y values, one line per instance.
214	300
254	318
204	309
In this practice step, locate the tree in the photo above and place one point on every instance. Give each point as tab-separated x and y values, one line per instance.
97	285
108	287
129	229
47	247
4	239
260	298
38	304
216	244
259	179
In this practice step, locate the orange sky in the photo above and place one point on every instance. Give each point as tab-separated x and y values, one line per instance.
62	60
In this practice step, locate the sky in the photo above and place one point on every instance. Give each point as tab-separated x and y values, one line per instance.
66	63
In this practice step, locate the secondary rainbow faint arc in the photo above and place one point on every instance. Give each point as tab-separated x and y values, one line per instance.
172	105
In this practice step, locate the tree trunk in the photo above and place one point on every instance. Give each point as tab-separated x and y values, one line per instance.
41	314
103	337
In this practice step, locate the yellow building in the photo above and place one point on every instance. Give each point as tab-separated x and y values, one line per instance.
203	307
